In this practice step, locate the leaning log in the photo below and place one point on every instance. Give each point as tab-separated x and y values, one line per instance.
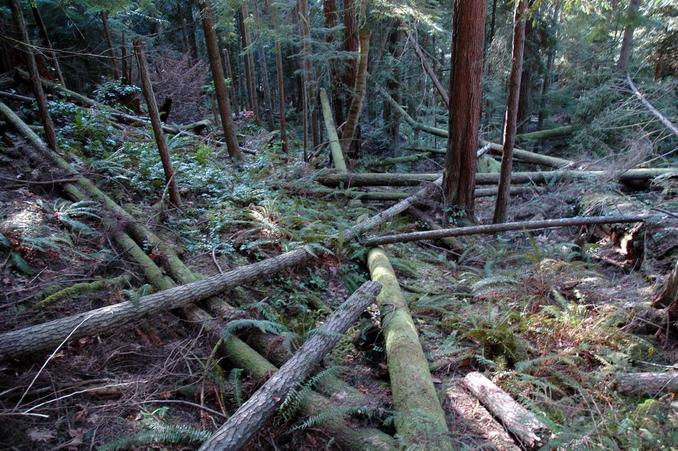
539	177
498	228
520	154
647	383
419	419
667	123
254	413
522	423
331	128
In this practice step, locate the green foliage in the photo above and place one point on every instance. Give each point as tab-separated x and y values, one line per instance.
158	432
263	326
111	92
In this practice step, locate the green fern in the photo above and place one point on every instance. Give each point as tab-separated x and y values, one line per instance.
297	395
159	434
235	379
328	414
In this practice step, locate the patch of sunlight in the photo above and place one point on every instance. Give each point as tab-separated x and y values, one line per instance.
24	219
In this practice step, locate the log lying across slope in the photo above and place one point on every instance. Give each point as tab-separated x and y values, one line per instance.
419	419
236	351
522	423
647	383
498	228
540	177
254	413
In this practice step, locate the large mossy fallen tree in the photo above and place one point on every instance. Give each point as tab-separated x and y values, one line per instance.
419	419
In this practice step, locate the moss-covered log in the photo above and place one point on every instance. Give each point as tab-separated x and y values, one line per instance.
80	289
548	133
254	413
331	128
420	420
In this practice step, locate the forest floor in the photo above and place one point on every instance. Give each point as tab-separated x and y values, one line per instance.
551	316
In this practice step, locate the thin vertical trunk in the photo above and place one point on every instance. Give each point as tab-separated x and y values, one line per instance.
393	86
305	30
219	82
529	63
189	25
464	112
263	69
250	73
503	195
155	122
42	30
280	77
331	20
126	70
627	40
109	41
550	58
29	57
229	74
349	132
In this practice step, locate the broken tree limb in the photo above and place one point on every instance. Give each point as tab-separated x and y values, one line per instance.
498	228
522	423
667	123
331	128
539	177
419	419
79	289
410	120
254	413
669	291
429	70
647	383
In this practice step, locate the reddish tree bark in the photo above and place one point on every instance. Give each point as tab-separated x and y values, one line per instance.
464	114
109	40
351	41
503	196
331	20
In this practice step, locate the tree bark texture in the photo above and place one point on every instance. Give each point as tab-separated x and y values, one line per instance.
419	419
650	384
263	70
503	227
351	41
109	41
468	33
543	177
280	77
333	138
219	83
250	73
349	131
503	197
154	114
522	423
29	58
254	413
627	40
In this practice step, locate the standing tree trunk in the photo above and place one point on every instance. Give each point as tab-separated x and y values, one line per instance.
529	63
250	73
351	41
219	82
263	69
280	76
550	58
226	57
42	30
109	41
331	20
464	111
305	31
627	40
155	122
511	117
29	57
393	85
348	134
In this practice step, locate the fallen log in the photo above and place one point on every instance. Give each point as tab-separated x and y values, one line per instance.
79	289
243	356
331	128
498	228
548	133
520	154
450	242
522	423
539	177
419	419
647	383
667	123
254	413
